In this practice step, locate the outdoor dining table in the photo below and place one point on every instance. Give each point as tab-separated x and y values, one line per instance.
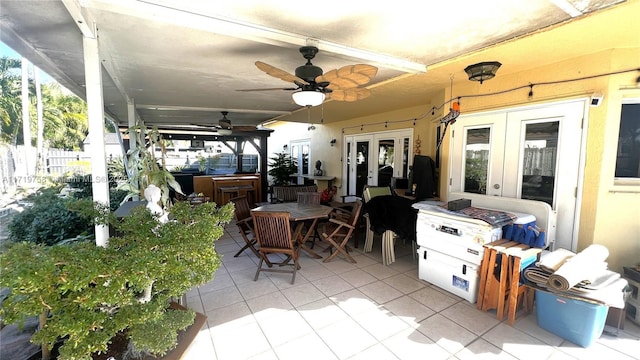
300	214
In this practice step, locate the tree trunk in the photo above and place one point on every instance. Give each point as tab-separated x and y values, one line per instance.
26	123
40	114
46	353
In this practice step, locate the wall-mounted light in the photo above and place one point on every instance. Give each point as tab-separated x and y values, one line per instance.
596	99
332	142
482	71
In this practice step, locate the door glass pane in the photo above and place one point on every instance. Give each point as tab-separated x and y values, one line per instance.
348	174
477	160
628	158
405	158
386	157
295	153
362	166
304	160
539	161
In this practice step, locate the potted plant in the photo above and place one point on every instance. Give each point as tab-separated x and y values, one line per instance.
144	168
281	167
87	295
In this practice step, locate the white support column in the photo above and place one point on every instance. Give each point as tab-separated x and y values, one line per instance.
131	115
95	111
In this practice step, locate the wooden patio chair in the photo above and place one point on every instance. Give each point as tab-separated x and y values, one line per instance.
309	198
337	233
244	222
273	232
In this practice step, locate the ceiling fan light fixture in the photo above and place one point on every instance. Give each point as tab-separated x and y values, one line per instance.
482	71
308	97
225	131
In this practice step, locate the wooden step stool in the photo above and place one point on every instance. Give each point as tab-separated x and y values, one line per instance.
500	278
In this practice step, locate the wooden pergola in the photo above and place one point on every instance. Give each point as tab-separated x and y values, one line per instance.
236	142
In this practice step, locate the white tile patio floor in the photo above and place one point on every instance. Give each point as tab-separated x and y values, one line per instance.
368	311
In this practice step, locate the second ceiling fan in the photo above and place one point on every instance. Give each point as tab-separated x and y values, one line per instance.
312	85
223	127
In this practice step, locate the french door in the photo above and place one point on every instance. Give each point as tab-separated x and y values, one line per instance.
300	152
375	159
529	153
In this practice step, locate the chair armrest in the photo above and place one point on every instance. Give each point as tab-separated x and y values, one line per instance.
341	223
340	214
245	224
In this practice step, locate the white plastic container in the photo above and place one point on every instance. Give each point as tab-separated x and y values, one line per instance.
455	235
449	273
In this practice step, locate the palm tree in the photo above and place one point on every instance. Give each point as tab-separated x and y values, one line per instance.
64	115
10	99
65	119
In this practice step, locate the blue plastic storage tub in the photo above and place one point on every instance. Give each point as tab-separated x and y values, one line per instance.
578	321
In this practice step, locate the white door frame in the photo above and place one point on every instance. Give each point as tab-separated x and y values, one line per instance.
301	143
373	137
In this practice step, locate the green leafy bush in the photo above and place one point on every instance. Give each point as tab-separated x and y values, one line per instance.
92	293
282	166
116	197
48	221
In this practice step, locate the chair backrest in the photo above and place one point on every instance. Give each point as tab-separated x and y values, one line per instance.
355	213
370	192
309	198
272	230
242	209
289	193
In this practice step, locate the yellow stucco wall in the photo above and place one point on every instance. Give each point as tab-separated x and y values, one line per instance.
609	215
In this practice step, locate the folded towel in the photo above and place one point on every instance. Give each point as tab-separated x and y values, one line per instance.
600	281
553	260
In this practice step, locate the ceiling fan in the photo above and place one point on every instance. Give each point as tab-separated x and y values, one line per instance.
223	127
312	85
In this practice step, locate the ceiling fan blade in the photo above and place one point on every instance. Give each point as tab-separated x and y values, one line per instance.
278	73
350	94
267	89
349	76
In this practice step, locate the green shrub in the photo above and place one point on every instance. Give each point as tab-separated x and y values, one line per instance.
281	167
92	293
116	197
48	221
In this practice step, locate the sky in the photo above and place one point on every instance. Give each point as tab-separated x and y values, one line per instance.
9	52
